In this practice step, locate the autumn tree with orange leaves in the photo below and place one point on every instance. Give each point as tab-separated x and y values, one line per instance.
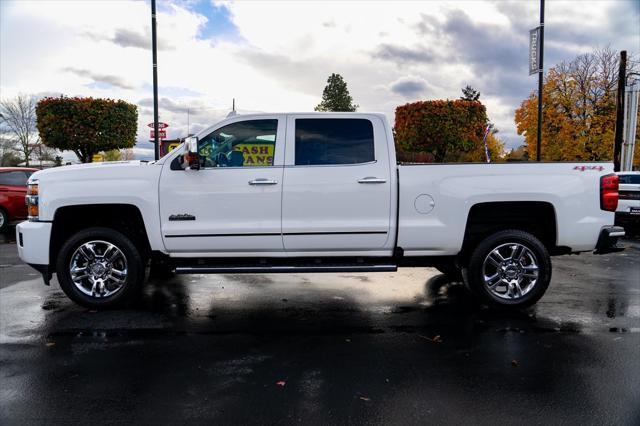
579	110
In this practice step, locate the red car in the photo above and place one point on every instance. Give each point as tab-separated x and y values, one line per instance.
13	188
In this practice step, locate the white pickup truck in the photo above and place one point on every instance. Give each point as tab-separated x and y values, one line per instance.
311	192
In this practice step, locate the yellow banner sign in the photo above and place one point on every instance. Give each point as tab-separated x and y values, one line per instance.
256	154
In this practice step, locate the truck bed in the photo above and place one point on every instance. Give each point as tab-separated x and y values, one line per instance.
435	200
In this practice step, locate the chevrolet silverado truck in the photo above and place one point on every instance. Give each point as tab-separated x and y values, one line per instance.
311	192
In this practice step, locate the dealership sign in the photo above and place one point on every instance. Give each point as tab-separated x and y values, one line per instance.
534	51
161	125
162	134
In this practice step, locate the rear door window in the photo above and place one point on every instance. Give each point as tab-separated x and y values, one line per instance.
333	141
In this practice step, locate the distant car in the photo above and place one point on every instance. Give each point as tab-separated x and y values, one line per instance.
628	211
13	188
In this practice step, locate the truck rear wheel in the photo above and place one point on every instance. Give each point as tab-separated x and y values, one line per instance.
100	268
510	269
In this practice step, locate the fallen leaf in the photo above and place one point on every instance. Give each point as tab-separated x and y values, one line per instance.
364	398
435	339
514	363
281	383
49	344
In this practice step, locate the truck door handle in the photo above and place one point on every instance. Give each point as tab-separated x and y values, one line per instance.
263	182
371	179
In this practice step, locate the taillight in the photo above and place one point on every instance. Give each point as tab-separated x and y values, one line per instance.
609	192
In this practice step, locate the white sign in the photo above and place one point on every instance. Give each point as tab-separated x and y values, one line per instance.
534	50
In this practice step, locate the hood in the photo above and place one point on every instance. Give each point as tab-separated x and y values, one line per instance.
88	169
91	171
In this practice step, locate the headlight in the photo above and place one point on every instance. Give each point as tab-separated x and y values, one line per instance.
32	188
32	201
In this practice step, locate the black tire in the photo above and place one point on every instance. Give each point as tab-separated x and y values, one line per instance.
4	220
474	272
127	293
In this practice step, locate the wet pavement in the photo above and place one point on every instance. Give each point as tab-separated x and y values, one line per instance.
403	348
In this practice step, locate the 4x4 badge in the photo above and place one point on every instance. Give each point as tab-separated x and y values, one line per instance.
583	168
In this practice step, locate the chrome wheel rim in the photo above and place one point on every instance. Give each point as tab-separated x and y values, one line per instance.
510	271
98	269
1	219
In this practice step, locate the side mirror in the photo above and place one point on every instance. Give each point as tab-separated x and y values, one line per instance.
191	158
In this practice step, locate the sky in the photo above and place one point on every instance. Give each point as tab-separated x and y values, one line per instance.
275	56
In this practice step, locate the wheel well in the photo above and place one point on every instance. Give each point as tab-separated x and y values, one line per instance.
125	218
537	218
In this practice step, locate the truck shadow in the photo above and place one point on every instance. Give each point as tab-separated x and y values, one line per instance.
255	305
261	355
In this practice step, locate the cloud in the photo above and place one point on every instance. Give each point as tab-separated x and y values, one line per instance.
276	56
101	78
409	87
127	38
166	104
403	55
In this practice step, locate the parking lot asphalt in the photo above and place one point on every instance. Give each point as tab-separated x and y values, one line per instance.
403	348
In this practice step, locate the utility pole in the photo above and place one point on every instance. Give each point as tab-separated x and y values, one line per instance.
617	140
154	48
540	81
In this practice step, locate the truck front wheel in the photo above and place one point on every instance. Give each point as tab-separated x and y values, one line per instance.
100	268
509	268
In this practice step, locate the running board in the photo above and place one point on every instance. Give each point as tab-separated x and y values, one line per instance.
283	269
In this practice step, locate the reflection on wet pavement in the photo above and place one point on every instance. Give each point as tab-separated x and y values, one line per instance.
375	348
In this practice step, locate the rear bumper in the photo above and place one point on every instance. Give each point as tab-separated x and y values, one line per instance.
628	217
608	239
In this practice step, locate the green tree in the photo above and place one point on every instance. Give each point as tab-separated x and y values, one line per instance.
335	96
469	94
86	126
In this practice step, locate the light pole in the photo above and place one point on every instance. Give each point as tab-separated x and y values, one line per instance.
540	81
154	49
618	136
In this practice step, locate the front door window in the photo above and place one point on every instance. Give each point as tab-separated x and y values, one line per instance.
249	143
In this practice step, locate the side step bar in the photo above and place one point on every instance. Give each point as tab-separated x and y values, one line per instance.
283	269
